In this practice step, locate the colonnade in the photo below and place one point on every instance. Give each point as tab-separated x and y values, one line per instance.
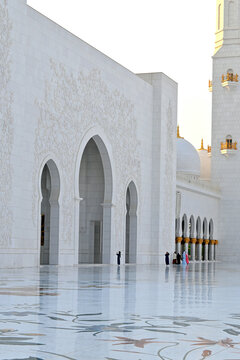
197	241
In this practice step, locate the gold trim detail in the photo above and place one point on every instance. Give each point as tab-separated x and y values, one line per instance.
230	77
216	242
202	146
212	242
206	241
199	241
193	240
229	145
178	133
186	240
178	240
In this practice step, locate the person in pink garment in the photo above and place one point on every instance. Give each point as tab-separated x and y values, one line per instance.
187	259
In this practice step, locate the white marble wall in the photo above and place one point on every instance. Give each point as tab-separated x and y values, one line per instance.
64	92
226	168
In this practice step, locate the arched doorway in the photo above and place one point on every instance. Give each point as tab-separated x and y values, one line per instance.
95	190
50	188
131	224
184	233
198	253
191	248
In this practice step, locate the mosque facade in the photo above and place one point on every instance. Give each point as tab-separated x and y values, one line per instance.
91	159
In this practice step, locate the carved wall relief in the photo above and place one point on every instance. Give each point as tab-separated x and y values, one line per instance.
72	103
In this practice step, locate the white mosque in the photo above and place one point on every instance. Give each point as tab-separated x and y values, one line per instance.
92	162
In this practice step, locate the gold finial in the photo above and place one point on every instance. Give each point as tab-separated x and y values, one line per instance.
202	146
178	133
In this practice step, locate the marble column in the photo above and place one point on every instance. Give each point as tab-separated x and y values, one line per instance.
211	251
199	249
215	249
178	245
193	246
186	242
206	242
106	233
54	233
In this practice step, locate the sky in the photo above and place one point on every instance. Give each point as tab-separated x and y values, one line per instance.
171	36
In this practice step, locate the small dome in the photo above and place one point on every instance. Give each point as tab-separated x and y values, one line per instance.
188	161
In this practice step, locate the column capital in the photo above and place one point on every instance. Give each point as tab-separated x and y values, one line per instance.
206	241
178	240
186	240
200	241
212	242
193	240
216	242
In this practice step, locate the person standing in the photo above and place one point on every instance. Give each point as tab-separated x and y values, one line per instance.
118	257
167	258
184	258
187	259
174	257
178	259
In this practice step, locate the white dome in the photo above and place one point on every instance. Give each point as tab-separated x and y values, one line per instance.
188	161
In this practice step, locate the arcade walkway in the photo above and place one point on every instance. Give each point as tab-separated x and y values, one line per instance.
131	313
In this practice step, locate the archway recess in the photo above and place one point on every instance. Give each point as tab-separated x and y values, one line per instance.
131	224
95	191
50	188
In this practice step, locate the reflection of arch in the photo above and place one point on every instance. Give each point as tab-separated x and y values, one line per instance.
205	229
184	225
95	192
198	228
191	227
50	189
211	229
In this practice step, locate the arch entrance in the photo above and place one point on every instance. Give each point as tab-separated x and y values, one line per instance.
50	188
131	224
95	190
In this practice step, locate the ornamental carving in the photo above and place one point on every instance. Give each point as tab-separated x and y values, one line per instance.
73	103
6	127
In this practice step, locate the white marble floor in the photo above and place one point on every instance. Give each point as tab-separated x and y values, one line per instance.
130	313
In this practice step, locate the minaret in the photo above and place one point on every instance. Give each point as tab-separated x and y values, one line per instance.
228	23
226	124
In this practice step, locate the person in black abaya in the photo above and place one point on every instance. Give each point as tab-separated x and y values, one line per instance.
167	258
178	259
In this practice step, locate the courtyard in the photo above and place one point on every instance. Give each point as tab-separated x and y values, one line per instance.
128	312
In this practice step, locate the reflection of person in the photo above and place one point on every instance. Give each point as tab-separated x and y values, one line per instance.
167	258
118	257
178	259
187	259
184	258
174	257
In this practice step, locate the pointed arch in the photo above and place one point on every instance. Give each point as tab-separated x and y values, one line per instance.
184	226
50	191
177	227
198	228
211	229
95	192
131	224
192	227
205	229
231	13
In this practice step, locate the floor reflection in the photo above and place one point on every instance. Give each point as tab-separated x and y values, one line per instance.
115	313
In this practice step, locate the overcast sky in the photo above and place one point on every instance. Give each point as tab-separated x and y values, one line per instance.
171	36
